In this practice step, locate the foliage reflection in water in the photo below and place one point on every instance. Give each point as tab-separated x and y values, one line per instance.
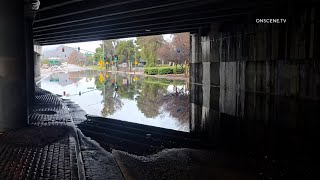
145	100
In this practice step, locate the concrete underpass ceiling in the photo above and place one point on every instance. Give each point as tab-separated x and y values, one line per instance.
68	21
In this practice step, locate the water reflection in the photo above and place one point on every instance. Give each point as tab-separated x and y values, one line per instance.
146	100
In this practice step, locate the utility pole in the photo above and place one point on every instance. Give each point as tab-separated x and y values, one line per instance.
135	59
103	51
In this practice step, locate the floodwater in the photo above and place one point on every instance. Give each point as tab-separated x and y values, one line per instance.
134	98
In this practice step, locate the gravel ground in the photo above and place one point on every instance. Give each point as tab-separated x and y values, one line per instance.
181	164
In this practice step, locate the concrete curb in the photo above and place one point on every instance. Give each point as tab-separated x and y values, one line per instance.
80	164
81	170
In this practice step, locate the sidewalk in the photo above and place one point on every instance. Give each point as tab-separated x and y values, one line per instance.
46	149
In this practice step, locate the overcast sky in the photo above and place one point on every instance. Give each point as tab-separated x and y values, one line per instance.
92	45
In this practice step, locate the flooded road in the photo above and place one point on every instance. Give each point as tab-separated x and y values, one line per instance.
134	98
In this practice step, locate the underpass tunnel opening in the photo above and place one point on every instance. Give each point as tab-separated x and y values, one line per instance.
244	80
254	82
142	79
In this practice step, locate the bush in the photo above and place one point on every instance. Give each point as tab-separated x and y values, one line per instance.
179	70
165	71
152	71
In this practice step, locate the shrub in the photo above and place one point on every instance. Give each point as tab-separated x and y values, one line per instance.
179	70
165	71
152	71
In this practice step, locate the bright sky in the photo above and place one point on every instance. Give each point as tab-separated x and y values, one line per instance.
92	45
89	46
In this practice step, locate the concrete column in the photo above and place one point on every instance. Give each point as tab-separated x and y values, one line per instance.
30	58
37	65
13	97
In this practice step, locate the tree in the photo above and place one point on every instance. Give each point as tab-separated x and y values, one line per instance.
109	48
98	54
90	59
181	43
44	61
126	50
166	52
149	46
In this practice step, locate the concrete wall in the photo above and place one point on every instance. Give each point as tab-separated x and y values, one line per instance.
257	85
37	59
37	65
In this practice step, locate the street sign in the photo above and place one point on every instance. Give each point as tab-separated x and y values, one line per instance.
88	54
54	80
135	62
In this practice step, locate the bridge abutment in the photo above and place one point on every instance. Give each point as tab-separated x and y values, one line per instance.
13	103
257	85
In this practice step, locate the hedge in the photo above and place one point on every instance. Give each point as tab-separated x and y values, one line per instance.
163	70
179	71
153	71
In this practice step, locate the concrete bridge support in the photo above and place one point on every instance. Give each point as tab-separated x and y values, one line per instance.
257	86
37	65
30	58
13	97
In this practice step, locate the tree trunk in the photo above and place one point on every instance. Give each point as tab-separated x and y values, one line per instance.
176	67
185	69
